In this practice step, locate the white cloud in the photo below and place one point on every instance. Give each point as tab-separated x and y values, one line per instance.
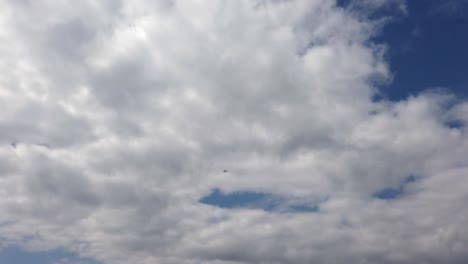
124	113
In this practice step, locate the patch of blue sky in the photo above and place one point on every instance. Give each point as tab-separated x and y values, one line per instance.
388	193
260	201
426	48
410	178
455	124
16	255
391	193
303	208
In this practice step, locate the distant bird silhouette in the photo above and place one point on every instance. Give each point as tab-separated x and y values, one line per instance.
225	171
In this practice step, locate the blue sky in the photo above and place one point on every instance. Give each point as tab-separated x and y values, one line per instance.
15	255
427	48
245	131
259	201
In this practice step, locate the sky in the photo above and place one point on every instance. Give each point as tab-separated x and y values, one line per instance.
228	132
427	48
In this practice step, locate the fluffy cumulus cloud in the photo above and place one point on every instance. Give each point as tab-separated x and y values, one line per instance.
117	117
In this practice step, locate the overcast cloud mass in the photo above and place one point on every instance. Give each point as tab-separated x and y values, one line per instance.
117	117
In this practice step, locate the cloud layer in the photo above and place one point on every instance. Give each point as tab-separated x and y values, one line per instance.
119	116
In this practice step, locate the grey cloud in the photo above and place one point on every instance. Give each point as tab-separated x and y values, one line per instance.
41	123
